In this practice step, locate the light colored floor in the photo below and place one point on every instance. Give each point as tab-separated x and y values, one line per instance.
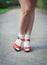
8	34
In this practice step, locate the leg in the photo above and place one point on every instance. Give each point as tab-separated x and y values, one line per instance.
23	22
25	15
29	27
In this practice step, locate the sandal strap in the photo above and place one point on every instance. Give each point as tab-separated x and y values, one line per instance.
27	39
27	48
16	46
21	39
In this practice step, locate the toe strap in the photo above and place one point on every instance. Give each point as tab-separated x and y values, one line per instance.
25	48
16	46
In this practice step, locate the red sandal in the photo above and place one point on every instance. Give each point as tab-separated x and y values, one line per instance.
17	47
28	48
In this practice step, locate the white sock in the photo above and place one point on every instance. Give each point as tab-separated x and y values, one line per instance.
27	43
19	41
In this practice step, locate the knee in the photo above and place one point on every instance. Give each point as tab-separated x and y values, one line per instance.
27	11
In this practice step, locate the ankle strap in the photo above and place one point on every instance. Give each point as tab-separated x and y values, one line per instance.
21	39
27	39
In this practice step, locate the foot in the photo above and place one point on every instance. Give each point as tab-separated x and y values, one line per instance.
17	44
27	47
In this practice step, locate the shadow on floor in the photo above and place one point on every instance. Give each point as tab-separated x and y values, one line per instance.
38	47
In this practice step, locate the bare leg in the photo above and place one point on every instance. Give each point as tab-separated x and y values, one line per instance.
25	15
30	25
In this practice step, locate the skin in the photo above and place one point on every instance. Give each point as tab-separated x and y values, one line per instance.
26	19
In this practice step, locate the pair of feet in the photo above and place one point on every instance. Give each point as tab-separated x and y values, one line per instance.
18	44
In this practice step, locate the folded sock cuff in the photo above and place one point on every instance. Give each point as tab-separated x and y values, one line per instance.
27	36
21	35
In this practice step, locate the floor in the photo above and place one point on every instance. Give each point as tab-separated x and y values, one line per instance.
8	34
